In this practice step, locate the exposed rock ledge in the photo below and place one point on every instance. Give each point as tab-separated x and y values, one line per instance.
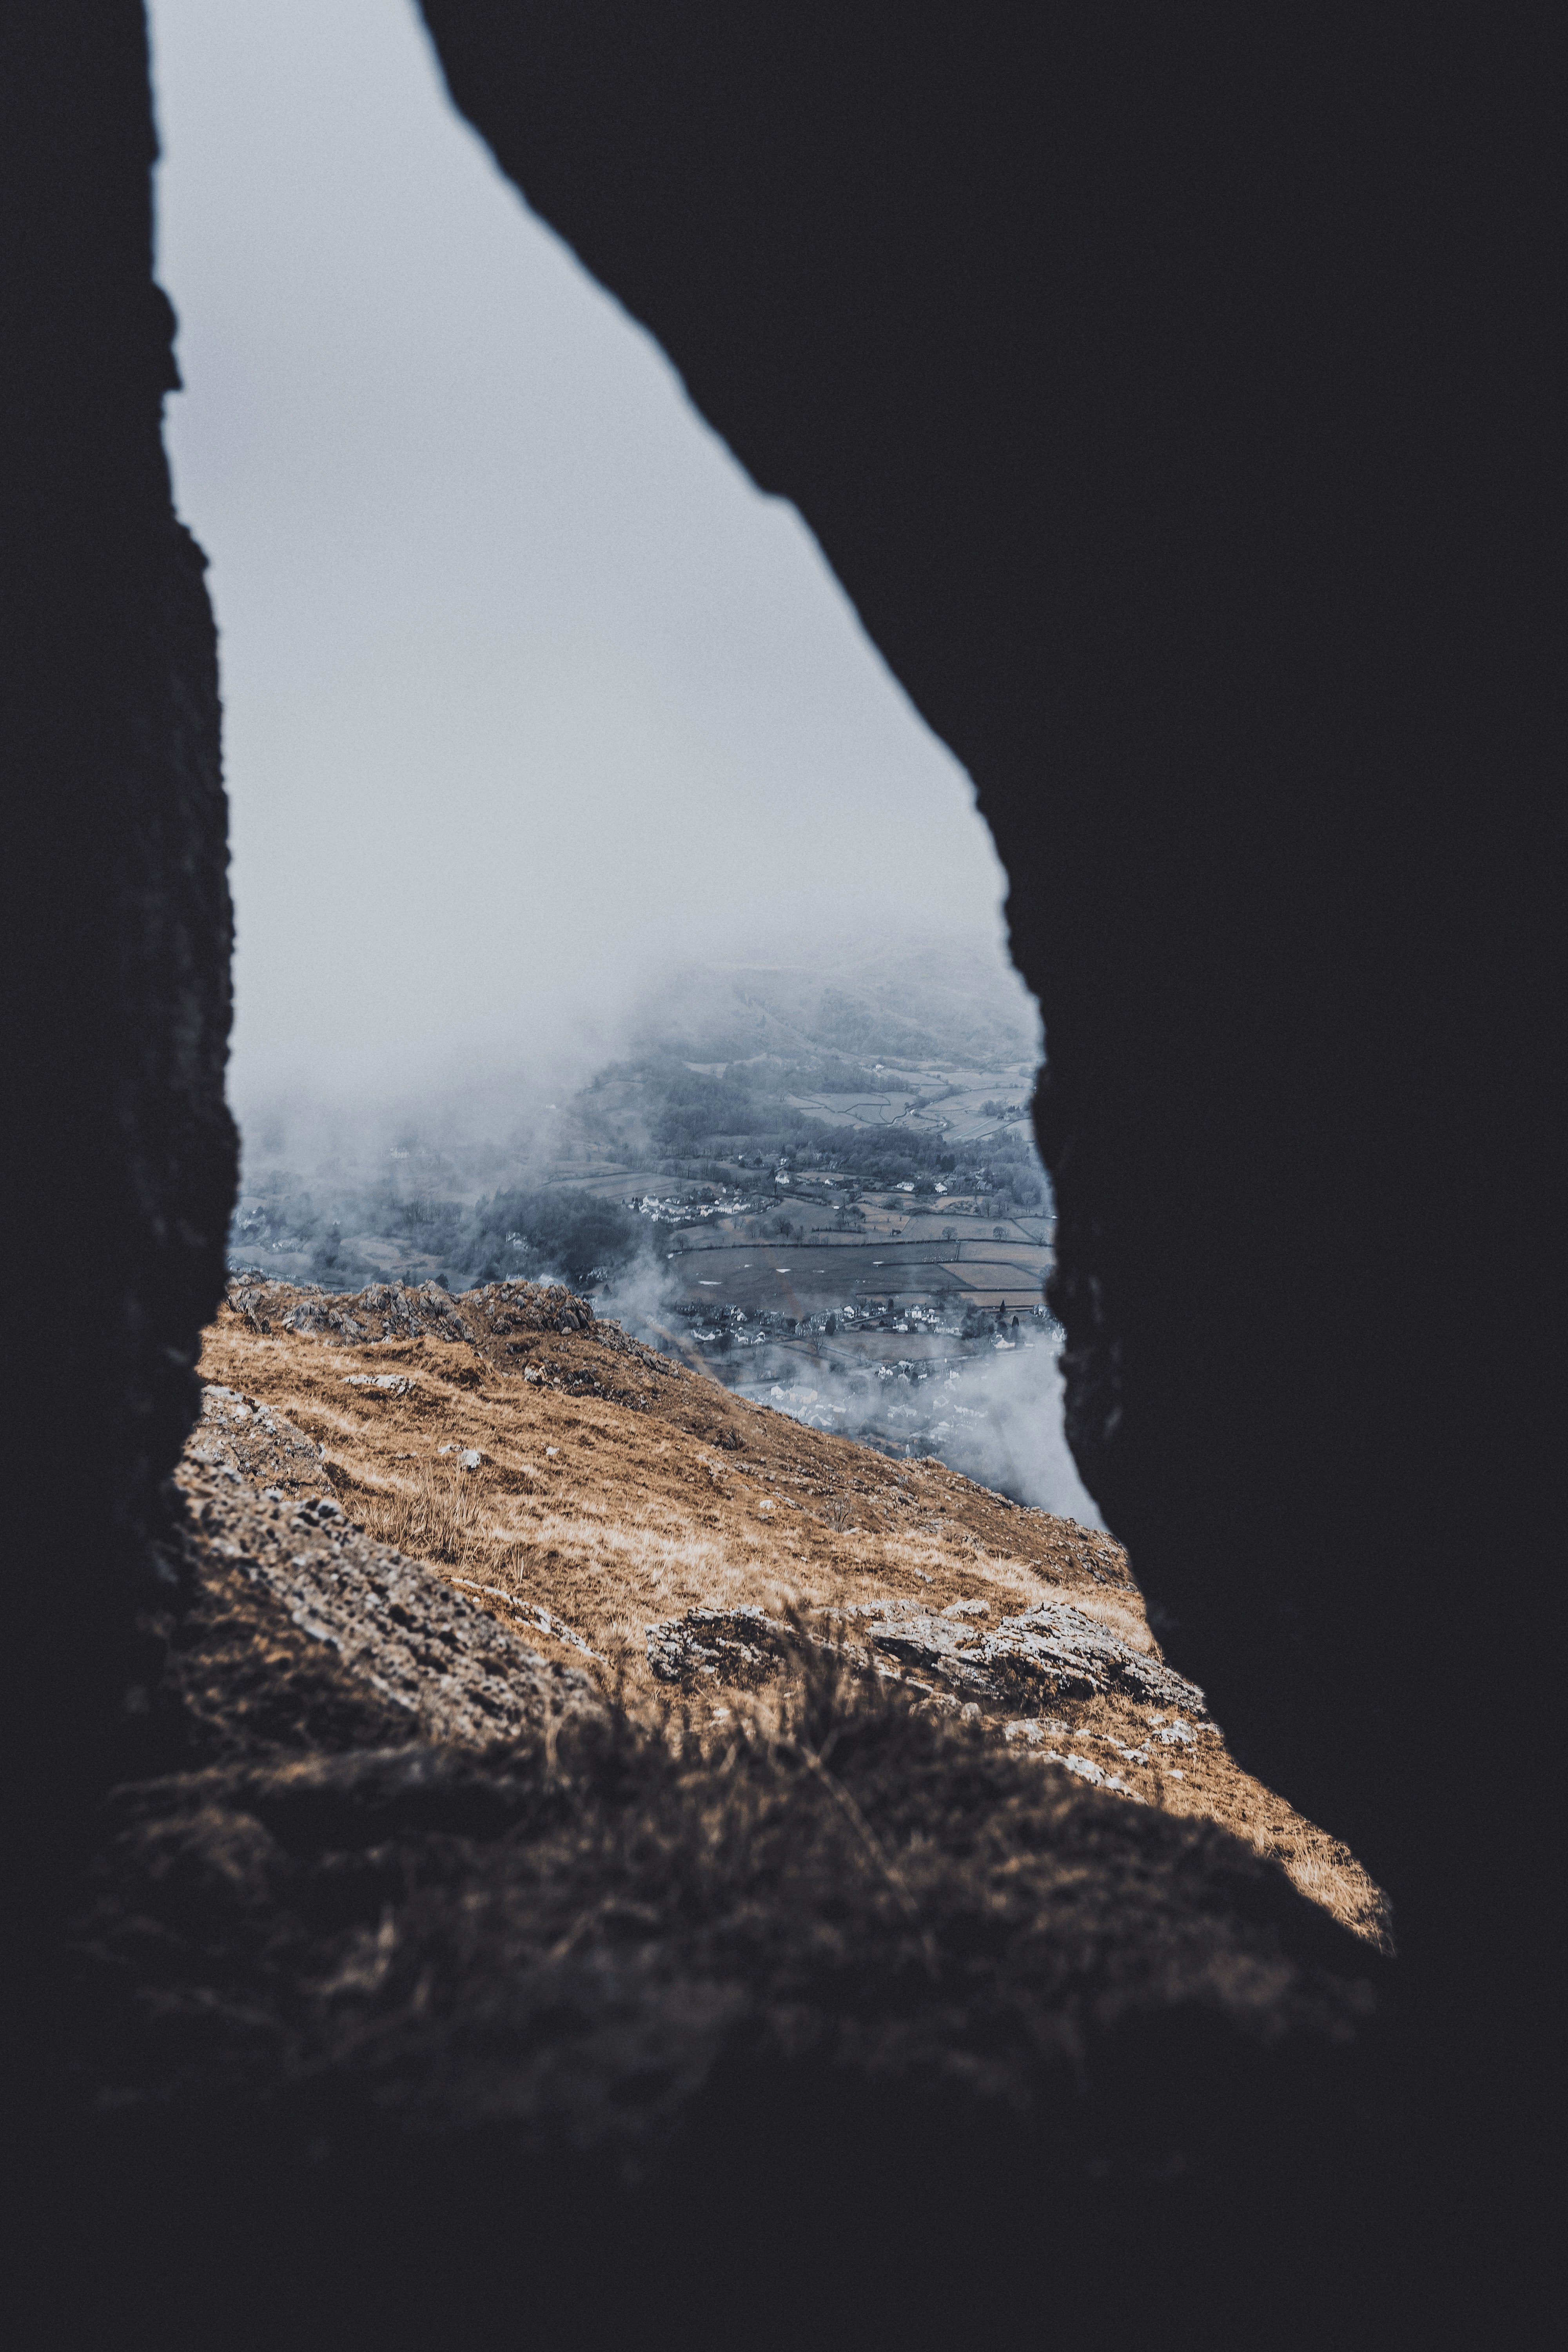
1047	1652
260	1510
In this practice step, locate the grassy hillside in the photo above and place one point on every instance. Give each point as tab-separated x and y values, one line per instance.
584	1488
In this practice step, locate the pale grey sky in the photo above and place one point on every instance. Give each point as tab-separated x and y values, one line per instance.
528	690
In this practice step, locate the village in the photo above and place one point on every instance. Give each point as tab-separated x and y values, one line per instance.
861	1241
907	1316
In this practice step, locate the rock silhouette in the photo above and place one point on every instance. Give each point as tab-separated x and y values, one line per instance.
1170	395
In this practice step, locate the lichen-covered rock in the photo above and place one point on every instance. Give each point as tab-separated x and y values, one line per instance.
403	1313
1044	1654
1047	1652
743	1647
535	1306
382	1310
1054	1649
242	1439
444	1666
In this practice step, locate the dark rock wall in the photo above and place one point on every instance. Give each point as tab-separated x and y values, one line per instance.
1167	389
121	1149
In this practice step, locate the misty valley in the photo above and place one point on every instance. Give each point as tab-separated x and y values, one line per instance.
817	1184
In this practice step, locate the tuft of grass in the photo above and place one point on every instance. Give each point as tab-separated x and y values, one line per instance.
852	1993
845	1874
434	1515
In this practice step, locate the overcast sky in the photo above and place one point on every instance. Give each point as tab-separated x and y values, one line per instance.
527	691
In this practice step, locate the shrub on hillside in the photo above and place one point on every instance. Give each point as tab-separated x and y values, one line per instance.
570	1233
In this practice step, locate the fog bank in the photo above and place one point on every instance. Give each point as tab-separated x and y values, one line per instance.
533	705
527	691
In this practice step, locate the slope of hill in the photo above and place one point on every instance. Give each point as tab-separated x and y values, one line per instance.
621	1512
947	998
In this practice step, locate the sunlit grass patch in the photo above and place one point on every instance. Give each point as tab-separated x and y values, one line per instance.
608	1518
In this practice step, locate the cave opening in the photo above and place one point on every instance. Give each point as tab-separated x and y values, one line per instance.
1220	559
532	702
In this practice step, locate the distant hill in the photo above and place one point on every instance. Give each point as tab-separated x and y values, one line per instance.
955	1001
904	1061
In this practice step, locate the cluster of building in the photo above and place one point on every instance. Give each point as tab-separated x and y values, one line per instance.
735	1327
685	1211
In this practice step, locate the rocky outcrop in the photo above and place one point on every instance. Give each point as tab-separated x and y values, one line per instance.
282	1588
252	1445
382	1310
1048	1653
447	1667
522	1306
509	1324
739	1647
454	1673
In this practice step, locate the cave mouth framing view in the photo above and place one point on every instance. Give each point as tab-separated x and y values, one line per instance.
720	1647
736	1049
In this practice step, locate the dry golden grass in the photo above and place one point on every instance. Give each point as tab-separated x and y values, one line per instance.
592	1516
433	1517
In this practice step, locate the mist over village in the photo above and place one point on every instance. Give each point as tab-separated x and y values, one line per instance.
819	1185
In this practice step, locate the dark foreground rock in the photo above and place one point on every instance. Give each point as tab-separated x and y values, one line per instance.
436	1998
431	1998
1167	393
608	2029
